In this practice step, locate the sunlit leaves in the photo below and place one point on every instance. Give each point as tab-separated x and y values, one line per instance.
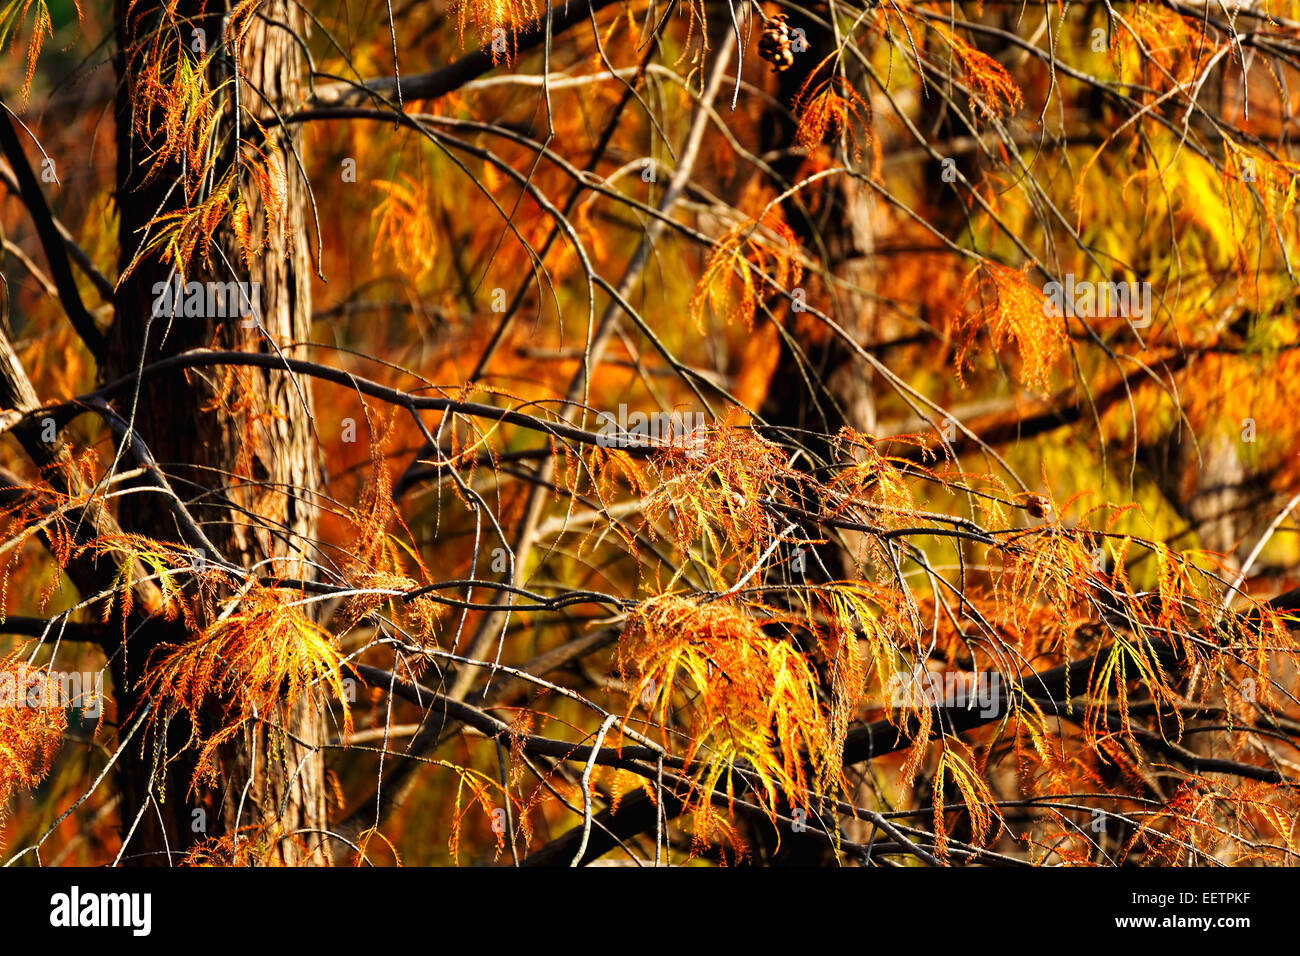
775	573
749	261
262	655
713	495
496	21
185	235
958	765
1008	308
12	16
994	92
753	697
32	723
832	108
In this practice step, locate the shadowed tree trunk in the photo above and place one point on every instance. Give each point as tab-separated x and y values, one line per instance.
835	216
833	220
240	449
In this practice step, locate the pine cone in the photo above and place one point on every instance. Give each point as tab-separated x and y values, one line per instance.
774	44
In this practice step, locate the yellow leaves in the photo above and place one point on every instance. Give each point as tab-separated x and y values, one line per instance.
604	465
753	698
738	683
253	845
13	14
257	660
856	611
174	109
32	722
1161	47
266	168
1010	307
746	701
1050	564
1253	180
872	477
747	259
175	112
993	92
497	22
1270	808
376	563
178	236
405	236
480	787
871	613
165	563
957	763
1192	821
1124	661
186	234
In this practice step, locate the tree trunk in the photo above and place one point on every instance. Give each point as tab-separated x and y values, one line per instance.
840	224
833	220
243	455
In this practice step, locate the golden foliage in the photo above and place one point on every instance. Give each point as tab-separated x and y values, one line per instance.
254	845
497	23
184	234
749	258
1161	46
872	478
175	110
13	14
405	236
1010	307
258	659
480	787
832	107
1254	182
958	763
712	494
993	92
753	698
376	564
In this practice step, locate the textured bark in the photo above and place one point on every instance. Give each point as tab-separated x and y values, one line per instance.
244	454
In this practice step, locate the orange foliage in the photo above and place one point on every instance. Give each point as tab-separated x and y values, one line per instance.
404	234
497	22
748	259
754	698
32	722
1010	308
253	662
832	107
993	91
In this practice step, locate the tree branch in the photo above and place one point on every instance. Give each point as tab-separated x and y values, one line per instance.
51	241
431	86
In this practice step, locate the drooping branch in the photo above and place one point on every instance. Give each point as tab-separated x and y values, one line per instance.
51	241
1047	689
432	85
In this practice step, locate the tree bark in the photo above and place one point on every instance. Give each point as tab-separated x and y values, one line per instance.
244	455
833	220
